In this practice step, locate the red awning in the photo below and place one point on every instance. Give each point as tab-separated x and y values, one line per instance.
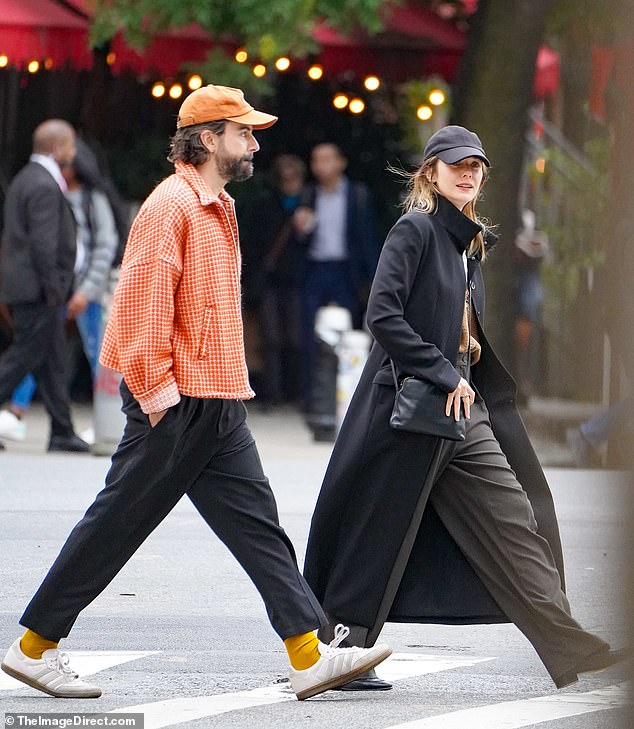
41	30
415	42
165	54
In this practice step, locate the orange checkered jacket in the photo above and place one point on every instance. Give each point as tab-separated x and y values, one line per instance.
176	324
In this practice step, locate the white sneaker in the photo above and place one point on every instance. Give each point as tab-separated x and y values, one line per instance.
11	427
336	665
51	674
88	435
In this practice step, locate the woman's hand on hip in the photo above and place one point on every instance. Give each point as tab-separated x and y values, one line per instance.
464	394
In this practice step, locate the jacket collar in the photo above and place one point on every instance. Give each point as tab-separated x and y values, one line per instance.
191	175
461	228
51	166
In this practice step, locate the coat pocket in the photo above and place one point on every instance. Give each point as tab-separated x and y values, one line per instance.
207	334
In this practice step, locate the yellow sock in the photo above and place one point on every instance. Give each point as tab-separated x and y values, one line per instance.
33	645
302	650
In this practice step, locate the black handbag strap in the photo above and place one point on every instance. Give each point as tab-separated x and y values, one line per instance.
394	373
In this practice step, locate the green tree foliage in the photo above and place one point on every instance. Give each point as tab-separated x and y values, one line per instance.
593	20
266	29
575	210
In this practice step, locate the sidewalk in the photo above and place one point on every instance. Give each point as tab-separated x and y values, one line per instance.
547	420
282	430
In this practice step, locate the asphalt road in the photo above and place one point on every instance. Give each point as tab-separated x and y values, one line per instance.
182	637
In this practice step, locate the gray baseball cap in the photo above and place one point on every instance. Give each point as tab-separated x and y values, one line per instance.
453	143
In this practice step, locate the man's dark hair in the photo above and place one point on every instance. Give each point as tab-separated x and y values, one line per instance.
185	145
335	147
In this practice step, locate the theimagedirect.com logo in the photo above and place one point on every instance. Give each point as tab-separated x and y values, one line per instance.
16	720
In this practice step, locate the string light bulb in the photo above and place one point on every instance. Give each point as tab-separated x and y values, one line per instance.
424	112
372	83
283	64
111	58
436	97
241	56
315	72
340	101
195	82
158	90
176	91
33	67
4	60
356	106
259	70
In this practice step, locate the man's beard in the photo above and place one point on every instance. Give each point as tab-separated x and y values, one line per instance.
237	169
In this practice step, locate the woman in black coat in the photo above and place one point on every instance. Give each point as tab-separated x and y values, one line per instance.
415	528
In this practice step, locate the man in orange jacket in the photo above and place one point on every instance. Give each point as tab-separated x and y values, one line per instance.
175	335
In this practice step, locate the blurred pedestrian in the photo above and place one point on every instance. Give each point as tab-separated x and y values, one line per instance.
273	265
587	441
97	243
337	221
175	334
419	528
36	276
531	249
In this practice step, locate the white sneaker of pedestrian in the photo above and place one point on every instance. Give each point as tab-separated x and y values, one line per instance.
11	427
336	665
88	435
51	674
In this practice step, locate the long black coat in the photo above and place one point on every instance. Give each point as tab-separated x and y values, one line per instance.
39	240
376	550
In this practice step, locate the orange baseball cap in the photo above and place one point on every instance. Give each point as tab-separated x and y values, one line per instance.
213	103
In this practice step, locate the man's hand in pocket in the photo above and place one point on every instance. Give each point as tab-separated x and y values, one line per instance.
155	418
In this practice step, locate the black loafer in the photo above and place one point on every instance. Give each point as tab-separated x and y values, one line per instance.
593	663
366	682
69	443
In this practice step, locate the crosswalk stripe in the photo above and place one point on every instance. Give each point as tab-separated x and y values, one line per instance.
524	713
176	711
400	666
86	663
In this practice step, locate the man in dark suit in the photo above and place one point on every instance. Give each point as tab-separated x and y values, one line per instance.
342	249
36	274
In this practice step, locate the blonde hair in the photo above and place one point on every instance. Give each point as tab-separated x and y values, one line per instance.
422	196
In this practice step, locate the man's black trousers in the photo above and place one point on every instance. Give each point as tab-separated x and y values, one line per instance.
39	346
202	448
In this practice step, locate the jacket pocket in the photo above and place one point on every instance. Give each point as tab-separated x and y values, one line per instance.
206	334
